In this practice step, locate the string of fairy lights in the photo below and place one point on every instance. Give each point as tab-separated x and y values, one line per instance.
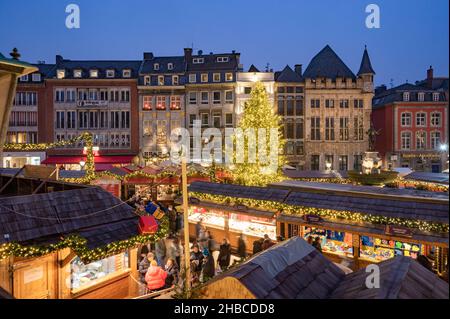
355	217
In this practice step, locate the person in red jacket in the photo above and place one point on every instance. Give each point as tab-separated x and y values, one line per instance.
155	277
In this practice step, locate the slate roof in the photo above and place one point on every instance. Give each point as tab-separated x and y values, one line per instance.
179	65
288	75
211	63
327	64
239	191
366	65
253	69
44	218
85	65
400	278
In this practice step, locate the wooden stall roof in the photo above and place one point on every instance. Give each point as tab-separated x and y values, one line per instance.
367	230
264	193
400	278
439	178
90	212
294	269
296	174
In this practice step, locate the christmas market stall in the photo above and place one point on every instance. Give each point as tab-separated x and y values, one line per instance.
228	218
294	269
70	244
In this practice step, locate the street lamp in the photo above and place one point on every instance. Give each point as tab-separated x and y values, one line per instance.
328	165
443	147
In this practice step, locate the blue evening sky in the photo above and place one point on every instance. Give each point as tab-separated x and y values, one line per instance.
413	33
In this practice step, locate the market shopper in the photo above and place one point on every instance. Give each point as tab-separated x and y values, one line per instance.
172	273
242	247
310	240
174	250
155	277
160	251
196	261
144	265
267	242
317	243
224	255
199	227
257	245
208	267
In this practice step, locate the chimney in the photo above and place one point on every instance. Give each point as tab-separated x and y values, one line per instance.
200	52
187	53
430	77
59	59
148	55
380	89
298	69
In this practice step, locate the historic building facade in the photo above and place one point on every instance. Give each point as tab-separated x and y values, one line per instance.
161	91
412	120
92	96
337	112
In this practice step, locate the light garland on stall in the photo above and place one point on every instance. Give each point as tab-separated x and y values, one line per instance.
78	245
328	213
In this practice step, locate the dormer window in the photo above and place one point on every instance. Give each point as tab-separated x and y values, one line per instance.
36	77
222	59
198	60
161	80
170	66
110	73
93	73
24	78
61	74
435	97
147	80
77	74
421	96
405	96
156	66
126	73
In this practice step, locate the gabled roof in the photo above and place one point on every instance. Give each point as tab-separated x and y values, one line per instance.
366	66
400	278
211	64
43	219
288	75
327	64
253	69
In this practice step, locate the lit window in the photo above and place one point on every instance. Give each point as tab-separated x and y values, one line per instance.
204	77
161	102
175	80
175	102
147	103
161	80
61	74
93	73
228	77
216	77
147	80
126	73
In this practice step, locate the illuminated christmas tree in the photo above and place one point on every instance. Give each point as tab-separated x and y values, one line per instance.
259	114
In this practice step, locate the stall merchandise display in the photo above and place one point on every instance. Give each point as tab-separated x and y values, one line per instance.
381	249
333	242
208	217
83	275
253	226
167	192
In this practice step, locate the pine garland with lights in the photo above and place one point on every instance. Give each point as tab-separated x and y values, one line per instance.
259	113
326	213
78	245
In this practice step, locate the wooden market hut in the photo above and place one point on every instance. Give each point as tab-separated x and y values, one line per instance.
295	270
98	259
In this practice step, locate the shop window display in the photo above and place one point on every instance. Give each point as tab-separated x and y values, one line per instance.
83	276
381	249
334	242
253	226
209	217
167	192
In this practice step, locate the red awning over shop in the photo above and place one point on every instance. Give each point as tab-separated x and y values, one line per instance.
98	159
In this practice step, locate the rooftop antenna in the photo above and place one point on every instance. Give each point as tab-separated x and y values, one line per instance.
267	67
391	83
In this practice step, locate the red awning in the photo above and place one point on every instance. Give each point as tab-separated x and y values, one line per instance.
98	159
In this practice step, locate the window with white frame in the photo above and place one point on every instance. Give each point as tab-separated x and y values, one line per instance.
60	120
204	77
93	73
24	78
217	120
406	140
161	80
110	73
148	128
36	77
405	119
126	73
222	59
192	118
204	97
70	95
156	66
198	60
435	119
147	101
59	95
435	97
83	119
421	96
192	78
216	77
175	102
217	97
77	73
147	80
228	77
175	80
161	102
71	120
421	119
435	139
229	97
170	66
421	140
229	119
192	97
60	74
406	96
205	119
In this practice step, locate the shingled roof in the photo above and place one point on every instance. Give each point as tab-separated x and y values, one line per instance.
288	75
366	66
45	218
400	278
327	64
